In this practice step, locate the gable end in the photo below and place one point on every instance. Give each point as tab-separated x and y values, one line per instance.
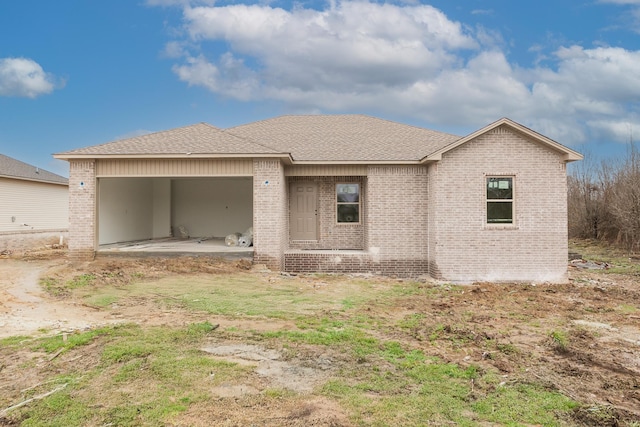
504	126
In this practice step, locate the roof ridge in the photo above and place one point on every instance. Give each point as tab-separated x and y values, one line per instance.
297	115
345	115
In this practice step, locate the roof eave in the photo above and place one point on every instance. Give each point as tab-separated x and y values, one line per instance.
356	162
70	156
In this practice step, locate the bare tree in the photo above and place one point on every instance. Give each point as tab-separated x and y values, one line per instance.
625	199
588	194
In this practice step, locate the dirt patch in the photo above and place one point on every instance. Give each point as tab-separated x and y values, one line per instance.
247	411
294	375
582	338
25	308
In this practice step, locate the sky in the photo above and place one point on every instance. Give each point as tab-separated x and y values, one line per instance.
75	73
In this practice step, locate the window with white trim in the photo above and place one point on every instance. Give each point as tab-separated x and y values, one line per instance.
500	200
348	203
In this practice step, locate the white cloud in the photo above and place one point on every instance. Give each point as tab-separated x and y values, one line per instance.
632	2
24	77
631	17
615	129
407	60
360	44
174	49
230	78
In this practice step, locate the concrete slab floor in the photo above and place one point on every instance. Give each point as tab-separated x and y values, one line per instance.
201	246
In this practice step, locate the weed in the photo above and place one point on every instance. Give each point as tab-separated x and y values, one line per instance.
411	321
14	341
627	309
162	366
437	331
507	349
103	300
81	281
560	341
348	303
52	286
601	415
505	406
69	341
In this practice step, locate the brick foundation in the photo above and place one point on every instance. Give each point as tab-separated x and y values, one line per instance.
346	262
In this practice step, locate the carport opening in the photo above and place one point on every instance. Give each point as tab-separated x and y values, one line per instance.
146	210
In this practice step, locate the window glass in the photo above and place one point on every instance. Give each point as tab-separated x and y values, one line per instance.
499	188
500	213
348	213
500	200
348	203
348	193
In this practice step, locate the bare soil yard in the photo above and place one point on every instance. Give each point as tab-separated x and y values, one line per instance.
580	340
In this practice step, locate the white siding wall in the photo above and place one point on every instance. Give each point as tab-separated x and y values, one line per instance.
40	205
173	167
212	207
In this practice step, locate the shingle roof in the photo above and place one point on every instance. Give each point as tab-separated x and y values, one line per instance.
344	138
200	138
12	168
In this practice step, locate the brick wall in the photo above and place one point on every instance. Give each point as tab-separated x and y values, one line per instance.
432	219
332	235
270	213
396	209
464	247
82	209
393	232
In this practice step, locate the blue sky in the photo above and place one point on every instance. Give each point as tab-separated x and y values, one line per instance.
77	72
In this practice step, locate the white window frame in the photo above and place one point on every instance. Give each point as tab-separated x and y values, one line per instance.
358	203
512	200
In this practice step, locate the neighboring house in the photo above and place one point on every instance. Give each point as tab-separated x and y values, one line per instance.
338	193
33	203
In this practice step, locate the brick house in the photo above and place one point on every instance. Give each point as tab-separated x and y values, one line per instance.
338	193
